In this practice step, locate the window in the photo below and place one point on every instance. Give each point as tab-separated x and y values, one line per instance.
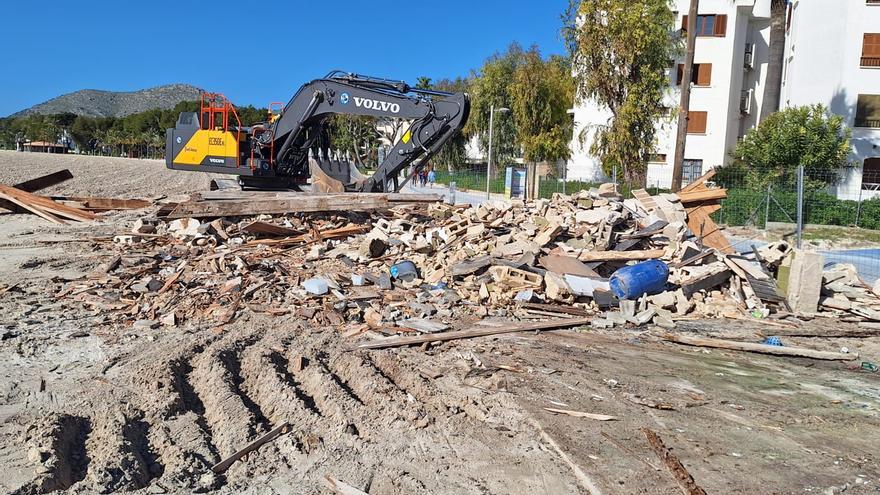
871	174
697	122
657	158
871	50
868	111
700	76
708	25
691	170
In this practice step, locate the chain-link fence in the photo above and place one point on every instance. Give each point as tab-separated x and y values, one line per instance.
839	212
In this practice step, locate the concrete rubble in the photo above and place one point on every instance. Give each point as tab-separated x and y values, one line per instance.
517	259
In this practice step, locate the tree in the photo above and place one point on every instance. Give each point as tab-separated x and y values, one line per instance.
541	94
621	50
809	135
491	86
423	82
355	135
776	58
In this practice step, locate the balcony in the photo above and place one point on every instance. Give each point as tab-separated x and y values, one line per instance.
869	123
871	61
873	2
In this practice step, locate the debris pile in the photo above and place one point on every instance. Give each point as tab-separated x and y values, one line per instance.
393	264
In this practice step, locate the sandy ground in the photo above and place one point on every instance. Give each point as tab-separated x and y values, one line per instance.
89	407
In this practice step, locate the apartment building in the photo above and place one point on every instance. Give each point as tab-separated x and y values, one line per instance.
726	96
833	58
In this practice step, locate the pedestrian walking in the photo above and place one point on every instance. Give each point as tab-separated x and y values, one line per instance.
432	177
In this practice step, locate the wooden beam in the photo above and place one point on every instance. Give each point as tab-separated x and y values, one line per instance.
16	204
676	468
478	331
304	203
46	204
268	437
705	195
699	182
260	227
45	181
103	204
760	348
621	255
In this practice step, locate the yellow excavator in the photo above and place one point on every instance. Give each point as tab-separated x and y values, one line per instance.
293	147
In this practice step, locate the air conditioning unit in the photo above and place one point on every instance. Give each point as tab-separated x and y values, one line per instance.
749	59
745	102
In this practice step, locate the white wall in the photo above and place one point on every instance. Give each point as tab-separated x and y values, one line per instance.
748	21
823	54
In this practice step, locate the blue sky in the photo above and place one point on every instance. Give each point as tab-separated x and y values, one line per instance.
254	52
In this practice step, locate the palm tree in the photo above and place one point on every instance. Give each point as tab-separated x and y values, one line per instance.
773	84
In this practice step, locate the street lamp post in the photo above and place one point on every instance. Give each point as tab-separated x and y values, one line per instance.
489	162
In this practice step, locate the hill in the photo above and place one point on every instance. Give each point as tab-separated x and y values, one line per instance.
97	103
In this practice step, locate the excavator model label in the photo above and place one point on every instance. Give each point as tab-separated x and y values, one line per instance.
384	106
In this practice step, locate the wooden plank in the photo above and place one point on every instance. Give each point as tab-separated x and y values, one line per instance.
104	203
31	208
856	333
268	437
581	414
341	487
698	195
45	181
478	331
706	282
566	264
760	348
232	195
46	204
260	227
621	255
699	183
303	203
679	472
701	225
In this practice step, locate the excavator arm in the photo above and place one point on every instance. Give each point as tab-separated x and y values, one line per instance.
299	131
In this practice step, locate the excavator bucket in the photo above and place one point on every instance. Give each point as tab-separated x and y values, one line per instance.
323	182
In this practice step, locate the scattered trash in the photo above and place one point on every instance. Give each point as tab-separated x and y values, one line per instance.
772	341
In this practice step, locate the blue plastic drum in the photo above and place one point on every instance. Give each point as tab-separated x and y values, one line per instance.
632	282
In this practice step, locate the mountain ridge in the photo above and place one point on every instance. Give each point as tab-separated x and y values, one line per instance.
104	103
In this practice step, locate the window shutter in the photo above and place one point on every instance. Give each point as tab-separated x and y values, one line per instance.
679	74
697	122
704	74
721	25
684	22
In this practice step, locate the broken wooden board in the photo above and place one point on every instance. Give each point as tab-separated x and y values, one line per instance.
45	181
477	331
705	282
682	476
701	225
699	182
46	205
581	414
224	464
340	487
649	254
562	265
760	348
102	204
266	228
698	195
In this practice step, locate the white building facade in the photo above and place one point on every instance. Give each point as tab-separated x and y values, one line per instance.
832	57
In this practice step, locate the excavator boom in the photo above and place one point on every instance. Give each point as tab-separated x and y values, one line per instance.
295	146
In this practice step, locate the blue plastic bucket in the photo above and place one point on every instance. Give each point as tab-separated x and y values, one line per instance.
632	282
